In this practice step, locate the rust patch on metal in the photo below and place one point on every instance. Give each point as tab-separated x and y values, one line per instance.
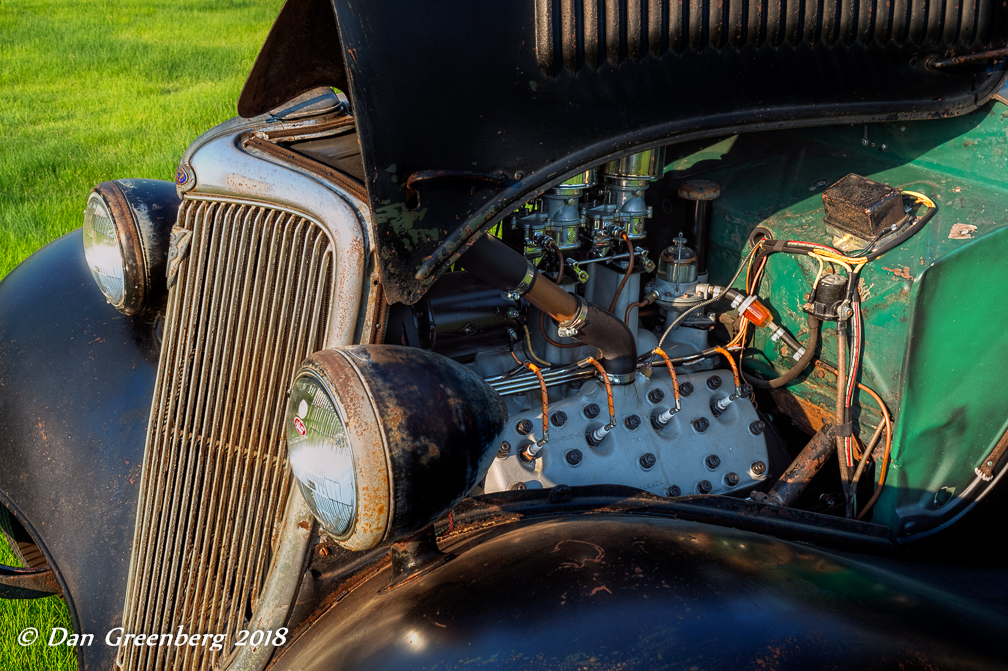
962	231
900	271
348	183
807	416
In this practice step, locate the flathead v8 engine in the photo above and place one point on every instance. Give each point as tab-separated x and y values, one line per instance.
600	354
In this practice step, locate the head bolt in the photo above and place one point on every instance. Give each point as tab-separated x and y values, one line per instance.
756	428
712	461
673	491
632	422
758	468
559	418
592	410
731	479
686	388
700	424
704	487
714	382
647	461
524	427
504	450
574	457
656	395
517	486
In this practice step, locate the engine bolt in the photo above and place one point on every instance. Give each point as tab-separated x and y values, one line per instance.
731	479
686	388
758	468
574	457
756	428
673	491
704	487
700	424
513	313
517	486
656	395
632	422
647	461
592	410
714	382
712	461
524	427
504	451
559	418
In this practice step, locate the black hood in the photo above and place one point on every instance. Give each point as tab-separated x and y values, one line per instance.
463	108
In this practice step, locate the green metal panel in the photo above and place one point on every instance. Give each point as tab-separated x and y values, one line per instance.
935	328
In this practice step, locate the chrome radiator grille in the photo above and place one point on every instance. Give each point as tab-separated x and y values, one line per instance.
251	301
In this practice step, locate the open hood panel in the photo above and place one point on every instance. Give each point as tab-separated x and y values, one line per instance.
465	108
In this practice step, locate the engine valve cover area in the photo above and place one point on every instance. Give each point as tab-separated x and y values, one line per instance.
696	452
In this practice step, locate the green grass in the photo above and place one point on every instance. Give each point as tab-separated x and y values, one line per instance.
94	90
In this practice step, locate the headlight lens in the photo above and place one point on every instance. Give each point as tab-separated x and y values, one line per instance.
102	250
320	455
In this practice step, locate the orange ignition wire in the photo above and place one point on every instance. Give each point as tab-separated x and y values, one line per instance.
608	389
675	381
723	352
545	402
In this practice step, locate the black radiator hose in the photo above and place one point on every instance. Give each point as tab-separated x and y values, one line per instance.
810	347
498	265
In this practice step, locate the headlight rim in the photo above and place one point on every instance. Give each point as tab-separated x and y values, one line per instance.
373	483
135	279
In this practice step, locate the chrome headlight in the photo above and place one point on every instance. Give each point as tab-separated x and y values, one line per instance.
384	440
127	225
101	247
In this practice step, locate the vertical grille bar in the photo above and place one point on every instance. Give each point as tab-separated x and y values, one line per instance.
252	301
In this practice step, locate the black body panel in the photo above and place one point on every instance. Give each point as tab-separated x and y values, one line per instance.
493	102
656	593
76	381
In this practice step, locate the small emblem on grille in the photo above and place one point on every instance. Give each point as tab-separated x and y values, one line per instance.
299	425
181	177
177	251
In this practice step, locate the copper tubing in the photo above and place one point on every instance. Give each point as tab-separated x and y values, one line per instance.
723	352
648	300
553	300
675	381
608	389
626	276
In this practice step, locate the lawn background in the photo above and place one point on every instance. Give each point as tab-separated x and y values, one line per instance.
95	90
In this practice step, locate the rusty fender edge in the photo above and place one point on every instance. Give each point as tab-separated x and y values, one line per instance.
76	382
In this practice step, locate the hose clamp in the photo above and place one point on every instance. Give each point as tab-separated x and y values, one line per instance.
524	285
570	328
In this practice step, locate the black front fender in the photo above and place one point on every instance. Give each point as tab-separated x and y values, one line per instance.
76	381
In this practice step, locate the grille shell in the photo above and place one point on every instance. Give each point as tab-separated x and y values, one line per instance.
252	300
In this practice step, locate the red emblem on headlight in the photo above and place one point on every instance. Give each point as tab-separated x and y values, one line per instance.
299	425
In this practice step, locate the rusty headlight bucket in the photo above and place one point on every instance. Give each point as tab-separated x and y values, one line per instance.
127	228
384	440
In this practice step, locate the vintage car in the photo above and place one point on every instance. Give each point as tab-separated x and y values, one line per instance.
562	335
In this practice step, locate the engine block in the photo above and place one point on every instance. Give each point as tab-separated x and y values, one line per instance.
698	451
